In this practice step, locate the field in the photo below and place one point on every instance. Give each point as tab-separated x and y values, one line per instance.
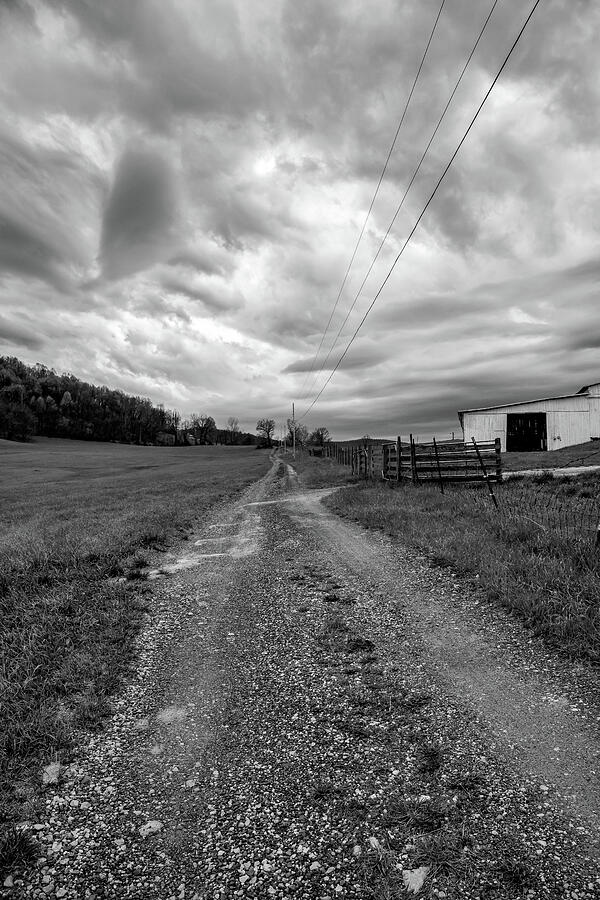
536	555
587	454
74	515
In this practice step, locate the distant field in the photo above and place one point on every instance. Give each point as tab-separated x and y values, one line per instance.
95	491
73	515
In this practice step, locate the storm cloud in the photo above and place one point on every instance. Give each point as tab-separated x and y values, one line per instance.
138	228
183	183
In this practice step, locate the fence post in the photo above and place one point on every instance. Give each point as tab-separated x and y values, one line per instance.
439	468
498	459
413	460
398	458
485	474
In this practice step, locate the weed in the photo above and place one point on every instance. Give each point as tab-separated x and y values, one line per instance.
334	633
355	810
516	873
414	817
324	790
136	575
381	877
140	561
429	758
443	850
16	849
358	644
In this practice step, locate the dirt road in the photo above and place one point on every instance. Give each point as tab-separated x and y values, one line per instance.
317	713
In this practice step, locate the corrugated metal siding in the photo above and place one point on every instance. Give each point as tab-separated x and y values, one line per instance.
567	427
595	416
571	420
485	426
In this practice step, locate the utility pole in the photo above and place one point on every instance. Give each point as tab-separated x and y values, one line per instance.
294	431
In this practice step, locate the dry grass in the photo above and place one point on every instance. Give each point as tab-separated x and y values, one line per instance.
73	516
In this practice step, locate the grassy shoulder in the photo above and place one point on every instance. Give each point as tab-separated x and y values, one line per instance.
74	516
550	582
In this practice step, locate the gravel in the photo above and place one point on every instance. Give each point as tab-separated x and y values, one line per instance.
290	733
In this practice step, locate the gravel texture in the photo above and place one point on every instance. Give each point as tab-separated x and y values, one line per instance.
317	713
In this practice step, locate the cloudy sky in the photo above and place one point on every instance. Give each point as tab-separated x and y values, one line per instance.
183	182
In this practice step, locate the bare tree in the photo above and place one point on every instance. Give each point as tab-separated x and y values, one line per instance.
233	429
266	427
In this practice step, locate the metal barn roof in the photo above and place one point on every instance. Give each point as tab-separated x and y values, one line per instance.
582	390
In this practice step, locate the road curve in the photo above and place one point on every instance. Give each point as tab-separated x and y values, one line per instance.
318	713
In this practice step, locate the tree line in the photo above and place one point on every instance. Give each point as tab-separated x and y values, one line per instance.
296	433
37	400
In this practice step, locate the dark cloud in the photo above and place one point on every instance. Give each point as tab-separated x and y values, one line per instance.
367	357
28	253
16	335
214	300
44	194
138	227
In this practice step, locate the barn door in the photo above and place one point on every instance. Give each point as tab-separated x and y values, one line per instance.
526	431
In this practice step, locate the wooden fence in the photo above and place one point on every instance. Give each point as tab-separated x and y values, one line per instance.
441	462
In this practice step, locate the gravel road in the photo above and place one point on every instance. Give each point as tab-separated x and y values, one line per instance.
318	713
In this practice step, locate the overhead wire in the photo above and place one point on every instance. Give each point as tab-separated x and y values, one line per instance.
425	208
410	183
381	177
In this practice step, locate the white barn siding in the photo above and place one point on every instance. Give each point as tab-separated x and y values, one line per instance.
485	426
569	420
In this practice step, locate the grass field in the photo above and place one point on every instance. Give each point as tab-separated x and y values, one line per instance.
75	514
530	557
587	454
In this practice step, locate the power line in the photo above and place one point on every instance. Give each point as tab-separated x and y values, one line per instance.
410	183
381	177
424	210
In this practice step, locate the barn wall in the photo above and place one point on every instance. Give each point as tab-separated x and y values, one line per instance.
567	427
595	416
485	426
570	420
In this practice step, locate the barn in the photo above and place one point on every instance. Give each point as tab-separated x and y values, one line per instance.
546	424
